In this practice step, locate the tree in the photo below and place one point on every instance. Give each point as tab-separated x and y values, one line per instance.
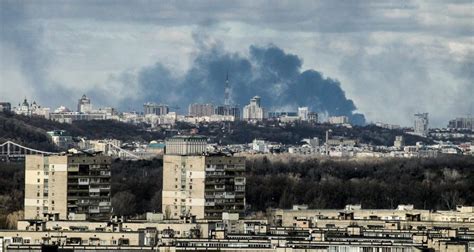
124	203
156	201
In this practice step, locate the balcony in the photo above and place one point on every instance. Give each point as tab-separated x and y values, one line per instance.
83	181
229	196
104	204
210	204
94	190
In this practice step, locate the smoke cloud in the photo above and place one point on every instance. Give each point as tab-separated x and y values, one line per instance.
267	71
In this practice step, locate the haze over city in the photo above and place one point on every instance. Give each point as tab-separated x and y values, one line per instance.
383	60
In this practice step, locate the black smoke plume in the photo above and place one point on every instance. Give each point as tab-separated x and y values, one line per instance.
268	71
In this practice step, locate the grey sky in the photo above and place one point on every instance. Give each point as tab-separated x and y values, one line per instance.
392	58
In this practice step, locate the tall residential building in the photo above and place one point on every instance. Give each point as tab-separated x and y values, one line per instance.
196	109
462	123
84	105
200	184
254	111
155	109
72	186
303	113
313	117
399	142
421	124
228	110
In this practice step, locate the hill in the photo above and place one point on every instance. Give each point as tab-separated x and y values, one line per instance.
31	131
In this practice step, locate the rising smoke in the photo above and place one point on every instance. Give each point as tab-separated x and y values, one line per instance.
267	71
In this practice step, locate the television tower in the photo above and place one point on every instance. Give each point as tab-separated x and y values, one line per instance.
227	91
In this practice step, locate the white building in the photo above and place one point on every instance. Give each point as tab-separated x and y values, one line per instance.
84	105
338	120
197	109
31	109
261	146
303	113
421	124
254	111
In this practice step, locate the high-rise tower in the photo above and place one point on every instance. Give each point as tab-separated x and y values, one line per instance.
227	91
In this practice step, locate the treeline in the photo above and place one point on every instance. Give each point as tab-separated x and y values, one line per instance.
439	183
12	184
136	186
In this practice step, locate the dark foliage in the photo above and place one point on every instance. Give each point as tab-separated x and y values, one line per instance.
142	179
12	184
439	183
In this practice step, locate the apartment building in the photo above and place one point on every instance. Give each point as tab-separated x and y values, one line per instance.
200	184
71	186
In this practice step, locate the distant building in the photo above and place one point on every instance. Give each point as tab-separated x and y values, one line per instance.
67	186
197	109
32	109
341	141
303	113
421	124
260	146
69	117
399	142
279	114
462	123
200	185
387	126
5	107
228	111
84	105
313	117
155	109
254	111
338	120
61	139
313	142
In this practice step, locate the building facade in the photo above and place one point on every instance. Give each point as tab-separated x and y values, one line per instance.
462	123
61	138
254	111
67	186
338	119
84	105
197	109
227	110
200	185
303	113
155	109
421	124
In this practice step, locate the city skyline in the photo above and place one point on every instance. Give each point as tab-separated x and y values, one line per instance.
392	59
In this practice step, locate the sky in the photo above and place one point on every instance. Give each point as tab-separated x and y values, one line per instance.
370	60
